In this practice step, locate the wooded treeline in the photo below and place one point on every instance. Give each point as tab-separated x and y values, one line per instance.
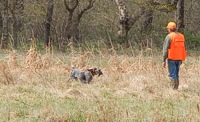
125	22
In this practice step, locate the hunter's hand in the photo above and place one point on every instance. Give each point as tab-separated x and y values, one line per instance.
164	64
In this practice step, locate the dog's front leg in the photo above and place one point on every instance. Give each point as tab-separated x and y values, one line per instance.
88	77
82	80
82	77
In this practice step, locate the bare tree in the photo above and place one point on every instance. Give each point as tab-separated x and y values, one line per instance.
167	7
151	6
146	9
172	5
125	21
1	21
180	16
49	15
4	39
148	18
174	2
16	8
74	19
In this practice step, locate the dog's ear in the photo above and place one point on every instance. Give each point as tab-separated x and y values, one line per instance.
95	69
90	69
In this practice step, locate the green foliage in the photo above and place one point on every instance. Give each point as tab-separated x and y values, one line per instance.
192	41
164	7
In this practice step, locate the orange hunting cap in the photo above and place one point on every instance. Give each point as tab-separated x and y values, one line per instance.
171	25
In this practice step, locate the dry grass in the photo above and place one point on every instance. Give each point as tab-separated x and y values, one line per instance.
34	87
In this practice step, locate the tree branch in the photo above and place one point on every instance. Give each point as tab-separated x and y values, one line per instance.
174	3
134	18
168	7
71	10
89	6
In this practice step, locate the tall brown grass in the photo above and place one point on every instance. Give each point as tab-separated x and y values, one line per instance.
133	88
5	75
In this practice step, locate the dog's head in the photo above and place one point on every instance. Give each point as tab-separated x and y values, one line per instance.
95	71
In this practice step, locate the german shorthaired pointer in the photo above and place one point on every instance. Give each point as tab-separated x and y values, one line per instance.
84	76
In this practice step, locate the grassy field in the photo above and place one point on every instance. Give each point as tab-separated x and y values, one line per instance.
34	87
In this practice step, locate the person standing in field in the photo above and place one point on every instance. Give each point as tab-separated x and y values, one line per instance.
174	52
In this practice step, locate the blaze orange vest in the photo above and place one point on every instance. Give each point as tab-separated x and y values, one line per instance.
177	47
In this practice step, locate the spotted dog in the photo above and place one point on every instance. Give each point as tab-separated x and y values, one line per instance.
84	76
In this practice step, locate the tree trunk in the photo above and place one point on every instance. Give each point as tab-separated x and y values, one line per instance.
49	15
74	19
125	21
180	16
175	2
15	30
1	22
72	30
4	39
16	9
147	24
